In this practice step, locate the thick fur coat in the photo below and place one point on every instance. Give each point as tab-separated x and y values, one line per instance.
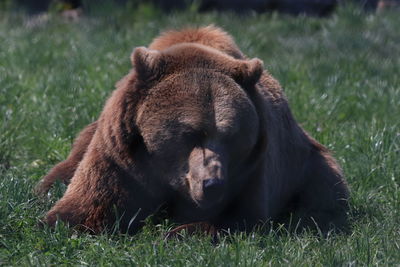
204	132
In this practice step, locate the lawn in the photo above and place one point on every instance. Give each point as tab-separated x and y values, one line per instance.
341	75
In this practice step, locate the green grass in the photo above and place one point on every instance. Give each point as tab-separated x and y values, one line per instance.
341	76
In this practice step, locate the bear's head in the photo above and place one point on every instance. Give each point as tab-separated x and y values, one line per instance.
198	124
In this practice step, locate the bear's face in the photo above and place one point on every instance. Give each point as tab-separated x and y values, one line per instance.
199	126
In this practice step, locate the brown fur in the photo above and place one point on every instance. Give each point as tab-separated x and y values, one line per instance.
195	110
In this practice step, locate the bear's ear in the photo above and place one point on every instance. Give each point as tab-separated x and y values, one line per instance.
248	72
147	62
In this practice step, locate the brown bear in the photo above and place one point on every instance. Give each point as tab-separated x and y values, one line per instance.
201	130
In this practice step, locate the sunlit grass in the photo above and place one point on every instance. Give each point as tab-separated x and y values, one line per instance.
341	76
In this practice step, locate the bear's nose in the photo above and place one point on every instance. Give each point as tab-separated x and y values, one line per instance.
213	188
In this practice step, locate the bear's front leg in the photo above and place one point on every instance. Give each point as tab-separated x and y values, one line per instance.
322	202
103	196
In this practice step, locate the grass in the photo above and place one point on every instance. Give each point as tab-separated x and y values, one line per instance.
341	76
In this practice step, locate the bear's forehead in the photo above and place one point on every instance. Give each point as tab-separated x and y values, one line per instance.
190	55
195	99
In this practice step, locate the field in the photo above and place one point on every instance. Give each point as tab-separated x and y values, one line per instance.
341	76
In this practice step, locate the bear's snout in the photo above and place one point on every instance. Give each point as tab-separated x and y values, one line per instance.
213	192
207	177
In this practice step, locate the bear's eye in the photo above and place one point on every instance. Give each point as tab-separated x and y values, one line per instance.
195	138
137	143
